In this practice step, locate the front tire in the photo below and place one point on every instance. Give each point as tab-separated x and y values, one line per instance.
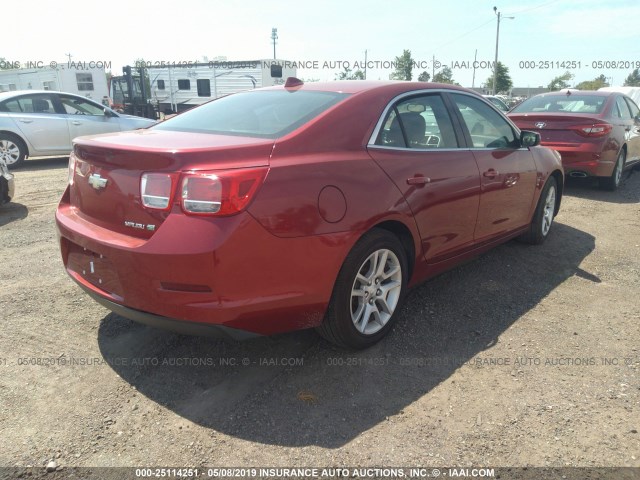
613	182
368	292
12	150
543	216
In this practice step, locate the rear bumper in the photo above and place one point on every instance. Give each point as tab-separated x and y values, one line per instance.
588	158
227	272
178	326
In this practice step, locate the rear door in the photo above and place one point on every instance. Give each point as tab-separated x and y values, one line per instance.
419	149
508	173
36	117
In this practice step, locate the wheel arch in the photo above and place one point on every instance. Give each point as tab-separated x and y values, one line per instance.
25	144
405	236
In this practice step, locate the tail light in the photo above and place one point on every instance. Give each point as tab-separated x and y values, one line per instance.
595	130
156	189
72	167
223	192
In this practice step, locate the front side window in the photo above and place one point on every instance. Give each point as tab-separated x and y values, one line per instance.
78	106
29	104
85	81
487	128
263	114
420	122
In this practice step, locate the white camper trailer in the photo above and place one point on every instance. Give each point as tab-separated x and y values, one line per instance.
175	88
77	78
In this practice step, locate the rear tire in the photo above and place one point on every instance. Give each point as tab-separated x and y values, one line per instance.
543	216
12	150
613	182
368	292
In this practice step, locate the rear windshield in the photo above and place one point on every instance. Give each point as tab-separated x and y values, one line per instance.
562	104
265	114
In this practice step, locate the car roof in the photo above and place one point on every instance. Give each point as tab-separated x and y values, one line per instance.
382	86
16	93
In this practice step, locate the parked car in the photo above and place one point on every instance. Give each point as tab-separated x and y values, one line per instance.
497	102
596	133
38	123
7	186
298	206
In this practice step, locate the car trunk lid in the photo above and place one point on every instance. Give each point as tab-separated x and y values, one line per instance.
556	129
105	187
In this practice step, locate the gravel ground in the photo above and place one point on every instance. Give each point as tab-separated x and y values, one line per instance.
527	356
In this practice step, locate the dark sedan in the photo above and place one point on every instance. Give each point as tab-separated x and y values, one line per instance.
596	133
298	206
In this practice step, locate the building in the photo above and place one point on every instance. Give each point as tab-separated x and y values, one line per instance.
73	77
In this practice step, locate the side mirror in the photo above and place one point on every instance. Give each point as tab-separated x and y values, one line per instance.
108	113
529	139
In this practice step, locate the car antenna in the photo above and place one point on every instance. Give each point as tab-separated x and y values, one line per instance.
293	82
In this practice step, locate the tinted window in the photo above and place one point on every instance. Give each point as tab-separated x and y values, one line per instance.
574	103
30	104
622	110
267	114
418	122
78	106
488	129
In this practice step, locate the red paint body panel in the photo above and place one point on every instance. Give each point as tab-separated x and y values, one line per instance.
272	267
592	155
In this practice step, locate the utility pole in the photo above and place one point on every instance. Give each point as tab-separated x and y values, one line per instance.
69	56
365	64
274	37
495	64
475	59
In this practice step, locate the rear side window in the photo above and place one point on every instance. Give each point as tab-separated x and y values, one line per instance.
30	104
264	114
420	122
574	103
488	129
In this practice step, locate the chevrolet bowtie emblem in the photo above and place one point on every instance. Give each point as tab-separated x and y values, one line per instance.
96	181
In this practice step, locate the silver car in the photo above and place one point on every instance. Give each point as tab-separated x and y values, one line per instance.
36	123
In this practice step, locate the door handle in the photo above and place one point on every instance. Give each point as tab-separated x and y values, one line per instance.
491	173
25	120
75	122
418	180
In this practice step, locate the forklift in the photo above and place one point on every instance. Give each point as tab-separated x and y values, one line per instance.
130	93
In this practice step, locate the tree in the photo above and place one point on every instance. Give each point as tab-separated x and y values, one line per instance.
503	83
444	76
598	82
561	81
348	74
424	77
633	80
404	67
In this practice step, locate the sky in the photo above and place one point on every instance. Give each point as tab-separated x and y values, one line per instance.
329	34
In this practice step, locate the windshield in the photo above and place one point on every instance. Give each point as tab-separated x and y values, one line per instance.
265	114
562	104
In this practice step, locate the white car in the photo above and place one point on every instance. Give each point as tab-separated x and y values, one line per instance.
36	123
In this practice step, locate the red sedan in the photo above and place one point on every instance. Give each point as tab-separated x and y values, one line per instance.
298	206
596	133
